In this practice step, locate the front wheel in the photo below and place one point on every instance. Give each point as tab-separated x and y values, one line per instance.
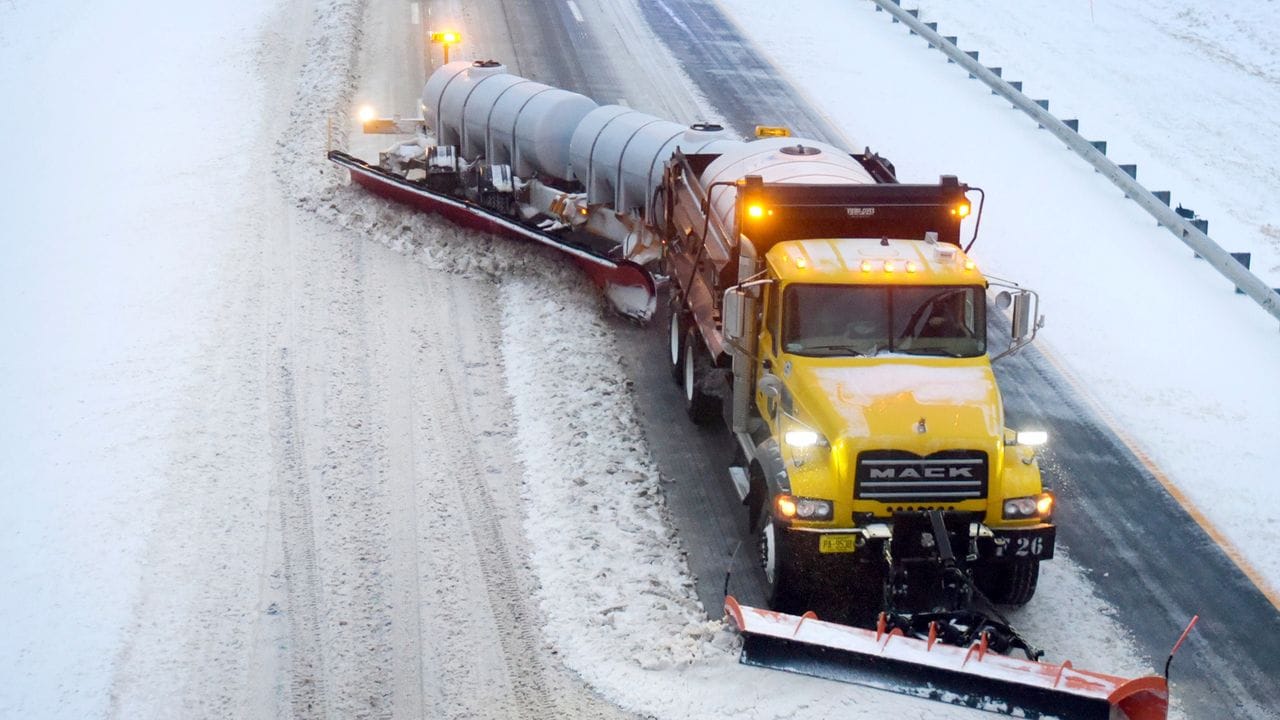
778	565
1008	583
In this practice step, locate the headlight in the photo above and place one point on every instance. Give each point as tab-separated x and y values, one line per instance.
802	438
803	508
1021	508
1032	438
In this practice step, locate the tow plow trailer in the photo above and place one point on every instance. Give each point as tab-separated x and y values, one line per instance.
625	284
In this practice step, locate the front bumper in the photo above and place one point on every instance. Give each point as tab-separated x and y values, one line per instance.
867	543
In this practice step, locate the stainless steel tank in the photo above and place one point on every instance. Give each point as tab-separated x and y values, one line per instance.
618	154
444	99
484	110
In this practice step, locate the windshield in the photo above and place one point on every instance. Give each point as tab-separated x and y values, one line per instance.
857	320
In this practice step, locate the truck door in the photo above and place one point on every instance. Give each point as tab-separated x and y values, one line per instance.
769	349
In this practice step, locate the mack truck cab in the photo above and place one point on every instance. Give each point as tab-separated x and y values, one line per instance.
842	331
875	398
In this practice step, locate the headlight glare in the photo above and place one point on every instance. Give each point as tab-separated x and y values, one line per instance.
801	438
1033	438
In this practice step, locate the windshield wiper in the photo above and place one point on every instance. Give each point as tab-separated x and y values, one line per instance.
839	349
934	351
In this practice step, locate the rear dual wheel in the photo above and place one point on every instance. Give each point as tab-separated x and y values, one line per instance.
699	405
675	342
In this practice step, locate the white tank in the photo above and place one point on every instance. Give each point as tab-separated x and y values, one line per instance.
534	124
477	115
779	160
619	153
444	99
484	110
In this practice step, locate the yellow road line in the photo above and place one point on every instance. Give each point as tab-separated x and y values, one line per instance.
1174	491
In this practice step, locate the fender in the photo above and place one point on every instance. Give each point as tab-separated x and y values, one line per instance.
768	478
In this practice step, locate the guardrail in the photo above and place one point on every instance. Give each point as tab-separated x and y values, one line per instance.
1186	229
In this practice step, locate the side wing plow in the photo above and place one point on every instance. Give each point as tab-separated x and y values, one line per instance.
927	668
626	285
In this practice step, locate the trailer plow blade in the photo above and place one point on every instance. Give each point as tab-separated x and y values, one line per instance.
627	286
970	677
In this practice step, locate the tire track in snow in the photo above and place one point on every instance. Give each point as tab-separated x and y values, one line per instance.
307	685
495	588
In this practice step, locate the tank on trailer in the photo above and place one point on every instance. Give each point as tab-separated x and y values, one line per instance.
484	110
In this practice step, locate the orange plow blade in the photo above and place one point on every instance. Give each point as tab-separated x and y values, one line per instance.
970	677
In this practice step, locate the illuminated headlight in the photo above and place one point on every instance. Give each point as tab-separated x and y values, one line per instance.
804	508
1032	506
1032	438
803	438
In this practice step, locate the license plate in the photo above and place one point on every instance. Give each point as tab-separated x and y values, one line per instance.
837	543
1027	545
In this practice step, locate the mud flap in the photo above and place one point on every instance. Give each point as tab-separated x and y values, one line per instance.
627	286
970	677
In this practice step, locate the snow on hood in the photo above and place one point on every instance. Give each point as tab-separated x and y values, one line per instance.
890	398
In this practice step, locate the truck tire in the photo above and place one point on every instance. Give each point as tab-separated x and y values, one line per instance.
778	565
675	341
1010	583
700	406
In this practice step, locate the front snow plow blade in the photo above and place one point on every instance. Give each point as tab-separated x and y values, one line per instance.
626	285
970	677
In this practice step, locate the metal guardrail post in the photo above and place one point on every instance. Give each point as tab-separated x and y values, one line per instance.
1186	230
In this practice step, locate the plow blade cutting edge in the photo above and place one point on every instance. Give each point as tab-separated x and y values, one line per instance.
626	285
970	677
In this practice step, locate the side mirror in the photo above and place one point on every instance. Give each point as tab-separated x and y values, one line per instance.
731	315
1026	304
1022	315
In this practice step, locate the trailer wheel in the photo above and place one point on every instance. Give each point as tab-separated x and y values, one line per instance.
778	566
1012	583
698	404
675	342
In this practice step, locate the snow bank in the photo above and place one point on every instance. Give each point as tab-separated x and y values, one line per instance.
127	132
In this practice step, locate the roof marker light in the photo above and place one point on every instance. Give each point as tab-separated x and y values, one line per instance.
911	266
755	211
866	266
888	266
969	264
961	210
800	263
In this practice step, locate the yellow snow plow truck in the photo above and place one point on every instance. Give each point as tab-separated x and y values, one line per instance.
841	329
832	316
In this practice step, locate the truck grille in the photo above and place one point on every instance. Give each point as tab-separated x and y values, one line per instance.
900	476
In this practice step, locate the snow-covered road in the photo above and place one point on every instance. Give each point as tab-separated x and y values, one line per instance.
275	448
